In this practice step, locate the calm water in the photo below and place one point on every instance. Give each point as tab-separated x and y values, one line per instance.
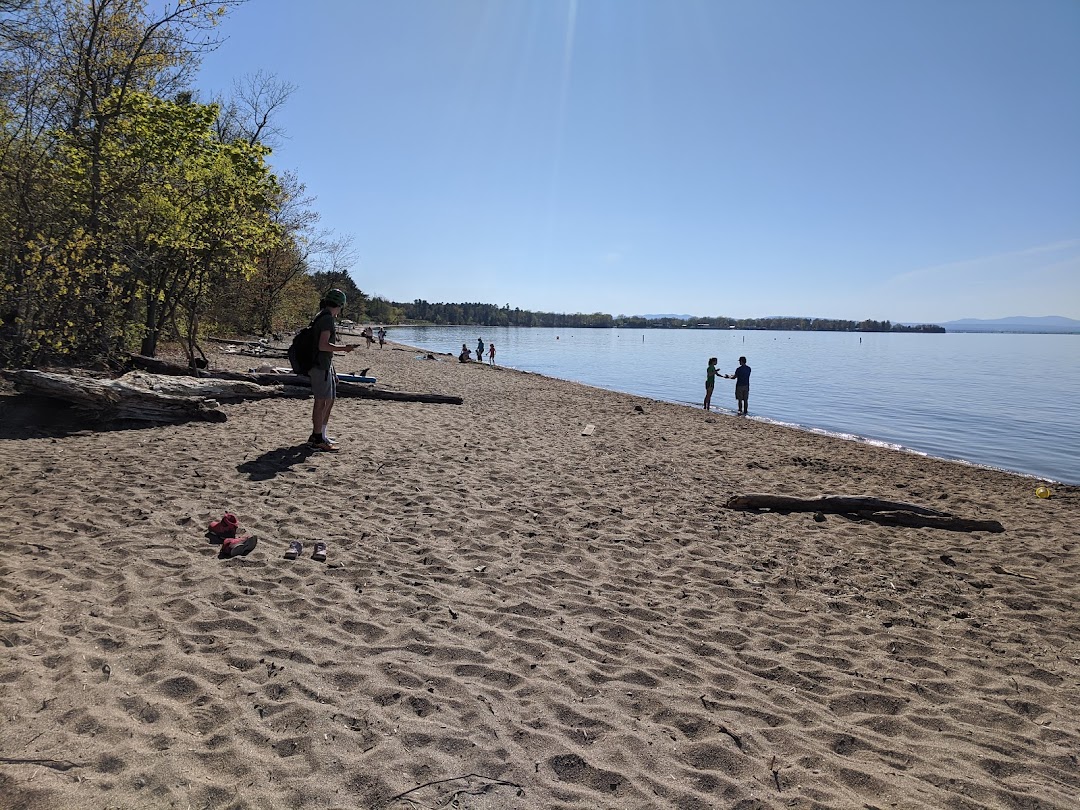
1007	401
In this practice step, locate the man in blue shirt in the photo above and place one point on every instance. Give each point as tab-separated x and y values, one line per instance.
742	385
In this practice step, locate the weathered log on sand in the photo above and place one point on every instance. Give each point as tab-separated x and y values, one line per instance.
114	399
209	387
238	342
344	389
359	390
156	366
895	513
835	504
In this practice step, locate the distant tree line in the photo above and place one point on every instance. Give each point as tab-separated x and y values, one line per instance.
475	314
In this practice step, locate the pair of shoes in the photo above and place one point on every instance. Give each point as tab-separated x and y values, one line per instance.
238	546
296	548
226	527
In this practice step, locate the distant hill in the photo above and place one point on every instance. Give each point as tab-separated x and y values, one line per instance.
1047	324
655	317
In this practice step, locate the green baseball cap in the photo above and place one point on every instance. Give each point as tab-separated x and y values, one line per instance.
335	298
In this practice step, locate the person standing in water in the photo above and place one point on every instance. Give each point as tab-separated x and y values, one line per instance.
491	354
479	350
742	385
710	382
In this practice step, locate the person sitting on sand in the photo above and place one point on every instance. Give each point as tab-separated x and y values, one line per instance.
466	354
742	385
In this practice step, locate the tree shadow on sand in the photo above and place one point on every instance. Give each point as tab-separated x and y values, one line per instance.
276	461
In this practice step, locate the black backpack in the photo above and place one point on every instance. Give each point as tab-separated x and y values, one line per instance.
303	349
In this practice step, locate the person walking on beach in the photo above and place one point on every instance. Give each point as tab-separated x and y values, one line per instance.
479	350
710	382
742	385
382	336
323	378
491	354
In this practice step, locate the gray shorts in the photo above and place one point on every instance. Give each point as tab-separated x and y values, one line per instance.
323	382
742	392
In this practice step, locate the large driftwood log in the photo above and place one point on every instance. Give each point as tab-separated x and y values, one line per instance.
156	366
344	389
897	513
209	387
116	399
836	504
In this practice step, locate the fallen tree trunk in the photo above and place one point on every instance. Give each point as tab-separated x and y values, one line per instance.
344	389
828	503
155	366
209	387
896	513
115	399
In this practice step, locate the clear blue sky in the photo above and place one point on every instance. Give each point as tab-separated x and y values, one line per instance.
917	160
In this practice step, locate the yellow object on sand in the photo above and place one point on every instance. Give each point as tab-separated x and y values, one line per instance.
1042	492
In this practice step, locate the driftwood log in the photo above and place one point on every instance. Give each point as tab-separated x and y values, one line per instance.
344	389
117	399
210	387
896	513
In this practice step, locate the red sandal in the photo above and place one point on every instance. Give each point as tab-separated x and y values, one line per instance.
238	546
226	527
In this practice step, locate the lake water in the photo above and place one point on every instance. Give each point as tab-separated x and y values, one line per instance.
1000	400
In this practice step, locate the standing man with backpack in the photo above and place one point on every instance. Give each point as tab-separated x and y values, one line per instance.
323	378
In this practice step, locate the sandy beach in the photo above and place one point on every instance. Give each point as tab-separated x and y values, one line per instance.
516	615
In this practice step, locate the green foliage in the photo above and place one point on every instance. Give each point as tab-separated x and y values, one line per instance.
125	214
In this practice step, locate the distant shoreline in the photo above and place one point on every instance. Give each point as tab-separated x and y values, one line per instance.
943	330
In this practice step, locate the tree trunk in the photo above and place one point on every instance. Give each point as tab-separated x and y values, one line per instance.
345	390
107	400
896	513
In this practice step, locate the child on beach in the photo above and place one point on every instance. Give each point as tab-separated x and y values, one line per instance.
382	336
710	382
491	354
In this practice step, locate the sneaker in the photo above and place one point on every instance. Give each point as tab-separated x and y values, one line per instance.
226	527
296	548
238	546
324	446
320	552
